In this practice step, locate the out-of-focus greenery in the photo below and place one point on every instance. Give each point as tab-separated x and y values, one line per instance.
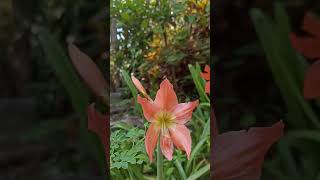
259	80
156	39
294	155
26	71
82	22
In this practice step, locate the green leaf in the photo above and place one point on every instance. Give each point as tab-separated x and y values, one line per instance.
180	169
132	88
199	82
78	94
204	137
199	173
58	60
287	69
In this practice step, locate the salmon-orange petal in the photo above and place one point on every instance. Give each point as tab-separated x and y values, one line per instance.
151	140
206	75
311	87
139	86
308	46
207	87
311	24
183	111
166	98
149	108
98	123
181	138
166	145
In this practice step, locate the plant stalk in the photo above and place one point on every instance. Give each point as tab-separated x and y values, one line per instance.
160	175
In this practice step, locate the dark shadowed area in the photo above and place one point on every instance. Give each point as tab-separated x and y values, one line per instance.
259	80
40	130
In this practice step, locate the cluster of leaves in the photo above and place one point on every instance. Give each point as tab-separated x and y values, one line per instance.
295	155
82	22
127	148
159	38
78	94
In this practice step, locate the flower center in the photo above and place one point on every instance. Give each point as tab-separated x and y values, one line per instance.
164	120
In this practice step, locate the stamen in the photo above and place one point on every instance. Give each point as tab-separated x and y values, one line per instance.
164	120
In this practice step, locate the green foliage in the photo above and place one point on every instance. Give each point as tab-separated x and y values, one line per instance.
199	82
157	40
65	71
295	157
287	67
127	148
78	94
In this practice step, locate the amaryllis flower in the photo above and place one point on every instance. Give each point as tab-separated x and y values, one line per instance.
206	76
167	118
97	123
308	45
311	88
239	155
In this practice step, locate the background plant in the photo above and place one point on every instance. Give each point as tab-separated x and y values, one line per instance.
40	109
261	80
152	38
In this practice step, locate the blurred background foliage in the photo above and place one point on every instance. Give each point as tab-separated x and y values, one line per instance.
259	80
154	39
41	131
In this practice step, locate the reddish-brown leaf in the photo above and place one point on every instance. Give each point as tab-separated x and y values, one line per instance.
239	155
98	124
88	70
308	46
312	81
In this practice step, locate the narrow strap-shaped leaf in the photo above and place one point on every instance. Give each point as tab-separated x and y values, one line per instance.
199	82
199	173
180	169
132	88
78	94
277	57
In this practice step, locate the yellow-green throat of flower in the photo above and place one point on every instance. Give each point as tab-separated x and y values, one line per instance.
164	120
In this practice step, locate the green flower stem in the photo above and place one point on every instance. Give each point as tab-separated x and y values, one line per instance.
160	175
